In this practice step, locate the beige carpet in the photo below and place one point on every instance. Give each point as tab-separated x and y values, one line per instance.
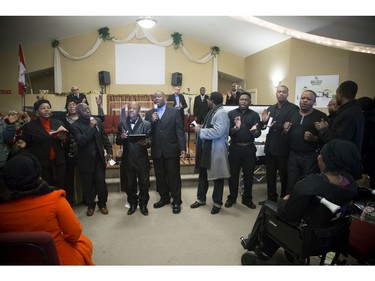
193	237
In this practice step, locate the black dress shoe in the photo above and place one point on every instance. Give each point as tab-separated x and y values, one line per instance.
249	204
132	209
229	203
176	209
215	210
144	210
160	204
196	204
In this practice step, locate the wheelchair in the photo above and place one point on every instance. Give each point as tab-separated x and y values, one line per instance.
300	242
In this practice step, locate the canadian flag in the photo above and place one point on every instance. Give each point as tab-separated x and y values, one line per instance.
21	72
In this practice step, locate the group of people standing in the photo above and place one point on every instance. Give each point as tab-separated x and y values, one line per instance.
56	147
297	134
34	187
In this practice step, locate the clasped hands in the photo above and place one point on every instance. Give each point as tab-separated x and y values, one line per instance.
321	124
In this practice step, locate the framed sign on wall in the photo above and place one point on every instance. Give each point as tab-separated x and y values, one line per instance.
323	85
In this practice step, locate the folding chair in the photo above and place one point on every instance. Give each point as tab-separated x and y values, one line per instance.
28	248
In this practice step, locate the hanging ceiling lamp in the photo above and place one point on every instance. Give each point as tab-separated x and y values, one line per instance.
146	22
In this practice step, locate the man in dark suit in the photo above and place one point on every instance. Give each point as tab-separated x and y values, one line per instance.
91	163
167	145
276	147
200	106
76	96
135	165
179	102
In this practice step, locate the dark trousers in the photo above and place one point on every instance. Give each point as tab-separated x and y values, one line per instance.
70	166
301	164
276	164
54	174
143	175
94	184
217	193
241	157
168	179
123	177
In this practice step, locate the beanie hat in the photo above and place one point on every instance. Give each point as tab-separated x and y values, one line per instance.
22	172
38	103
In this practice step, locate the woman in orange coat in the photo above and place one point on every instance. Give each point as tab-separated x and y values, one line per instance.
27	203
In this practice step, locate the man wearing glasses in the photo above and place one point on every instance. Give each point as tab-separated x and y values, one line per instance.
76	96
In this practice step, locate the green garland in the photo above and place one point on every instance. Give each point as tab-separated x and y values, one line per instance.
104	34
177	40
55	43
215	51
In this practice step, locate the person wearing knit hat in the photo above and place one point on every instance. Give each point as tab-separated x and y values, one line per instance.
38	103
28	203
22	173
45	145
338	162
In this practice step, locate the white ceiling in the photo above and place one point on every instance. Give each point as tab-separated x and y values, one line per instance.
228	33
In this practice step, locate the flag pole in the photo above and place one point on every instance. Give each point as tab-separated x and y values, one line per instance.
28	79
22	73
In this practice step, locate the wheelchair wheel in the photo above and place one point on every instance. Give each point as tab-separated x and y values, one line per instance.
248	259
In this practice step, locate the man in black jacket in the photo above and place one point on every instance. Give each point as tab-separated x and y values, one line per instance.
76	96
349	121
134	161
276	147
200	106
91	163
233	96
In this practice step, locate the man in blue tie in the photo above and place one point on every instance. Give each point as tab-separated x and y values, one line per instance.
168	144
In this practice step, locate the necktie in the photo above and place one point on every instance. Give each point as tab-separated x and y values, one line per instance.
178	101
159	110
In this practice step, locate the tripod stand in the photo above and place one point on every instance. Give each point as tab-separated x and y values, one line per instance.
188	128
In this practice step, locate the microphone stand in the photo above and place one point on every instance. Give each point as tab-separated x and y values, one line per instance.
188	128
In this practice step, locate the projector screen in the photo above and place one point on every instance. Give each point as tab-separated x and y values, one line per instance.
140	64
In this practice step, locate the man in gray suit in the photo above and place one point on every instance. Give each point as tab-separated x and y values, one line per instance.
167	145
212	153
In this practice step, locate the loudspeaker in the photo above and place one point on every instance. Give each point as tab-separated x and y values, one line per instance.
176	79
104	78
